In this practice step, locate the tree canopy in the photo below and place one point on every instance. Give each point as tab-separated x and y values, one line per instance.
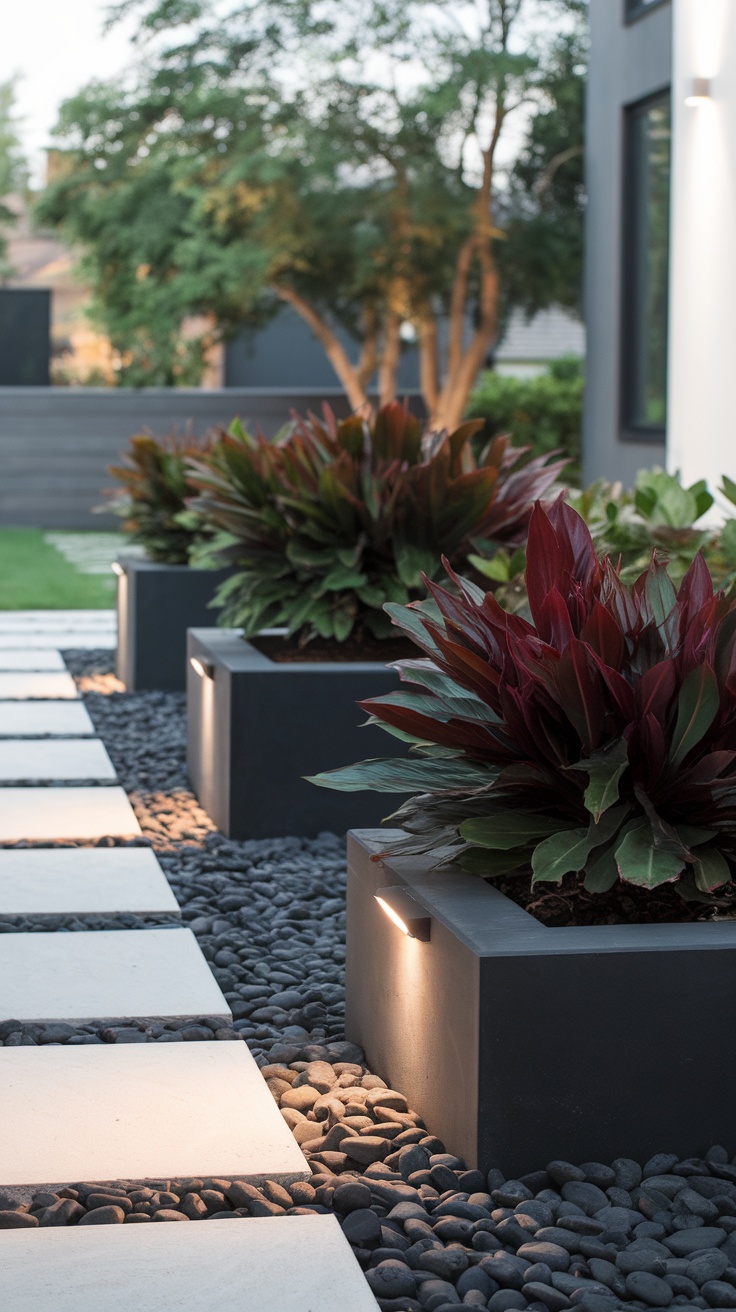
13	171
342	157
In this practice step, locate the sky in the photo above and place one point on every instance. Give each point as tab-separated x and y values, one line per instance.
55	47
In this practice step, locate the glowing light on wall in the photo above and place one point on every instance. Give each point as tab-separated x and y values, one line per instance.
407	914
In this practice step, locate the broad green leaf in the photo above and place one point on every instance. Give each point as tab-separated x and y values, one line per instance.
728	488
505	830
642	863
404	776
602	872
412	562
691	836
697	706
604	774
497	568
711	869
559	855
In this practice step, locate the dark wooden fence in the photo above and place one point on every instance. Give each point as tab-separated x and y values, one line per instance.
56	443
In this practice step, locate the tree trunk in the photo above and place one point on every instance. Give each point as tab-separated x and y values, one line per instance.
390	357
338	357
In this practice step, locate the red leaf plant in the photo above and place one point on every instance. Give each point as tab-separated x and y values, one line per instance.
599	739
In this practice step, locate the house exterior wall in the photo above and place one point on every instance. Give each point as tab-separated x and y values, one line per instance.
702	437
629	61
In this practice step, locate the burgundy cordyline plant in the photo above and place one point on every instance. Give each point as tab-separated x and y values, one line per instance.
600	739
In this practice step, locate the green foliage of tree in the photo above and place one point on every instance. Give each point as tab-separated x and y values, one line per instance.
13	171
544	413
341	158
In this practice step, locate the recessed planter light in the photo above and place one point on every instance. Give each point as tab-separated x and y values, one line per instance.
406	913
117	568
205	669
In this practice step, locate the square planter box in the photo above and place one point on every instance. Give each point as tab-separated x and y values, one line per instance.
156	605
519	1043
256	726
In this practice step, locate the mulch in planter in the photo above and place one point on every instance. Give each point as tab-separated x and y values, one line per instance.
568	903
364	649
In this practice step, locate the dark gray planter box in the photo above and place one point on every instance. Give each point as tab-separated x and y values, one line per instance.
156	605
257	726
518	1043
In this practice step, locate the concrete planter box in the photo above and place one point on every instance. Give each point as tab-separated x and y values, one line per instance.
519	1043
255	727
156	605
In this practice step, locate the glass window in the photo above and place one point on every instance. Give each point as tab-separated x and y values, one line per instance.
646	266
636	8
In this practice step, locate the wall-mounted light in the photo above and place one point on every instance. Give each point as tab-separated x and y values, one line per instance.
117	568
205	669
407	914
700	92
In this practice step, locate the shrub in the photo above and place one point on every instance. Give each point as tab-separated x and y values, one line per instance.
326	524
599	739
544	413
152	498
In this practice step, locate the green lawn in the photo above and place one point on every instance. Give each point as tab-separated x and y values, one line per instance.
35	576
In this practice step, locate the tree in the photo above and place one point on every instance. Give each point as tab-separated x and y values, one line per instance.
340	157
13	170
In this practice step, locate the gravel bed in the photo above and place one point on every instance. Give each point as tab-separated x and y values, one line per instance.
428	1233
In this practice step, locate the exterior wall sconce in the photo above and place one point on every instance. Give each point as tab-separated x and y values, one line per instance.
205	669
407	914
117	568
700	93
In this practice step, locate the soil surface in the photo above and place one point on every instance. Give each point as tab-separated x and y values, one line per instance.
365	649
567	903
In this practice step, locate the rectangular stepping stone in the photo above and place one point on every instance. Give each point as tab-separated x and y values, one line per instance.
48	814
43	658
83	881
272	1264
22	686
54	759
58	638
59	619
106	975
140	1111
44	720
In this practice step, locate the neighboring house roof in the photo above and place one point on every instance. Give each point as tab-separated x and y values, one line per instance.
546	336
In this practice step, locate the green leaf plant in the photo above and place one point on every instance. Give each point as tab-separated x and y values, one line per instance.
332	520
599	739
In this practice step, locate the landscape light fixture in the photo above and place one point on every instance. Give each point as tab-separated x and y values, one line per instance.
205	669
700	93
407	914
117	568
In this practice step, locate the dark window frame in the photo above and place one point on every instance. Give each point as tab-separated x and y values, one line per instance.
636	9
629	430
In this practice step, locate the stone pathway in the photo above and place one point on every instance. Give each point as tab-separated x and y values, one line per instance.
196	1118
59	630
91	553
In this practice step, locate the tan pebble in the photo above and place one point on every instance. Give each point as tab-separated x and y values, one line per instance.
334	1137
278	1073
302	1099
386	1129
356	1123
292	1116
366	1149
278	1087
300	1079
348	1068
320	1075
325	1105
305	1131
352	1094
312	1146
386	1098
373	1082
355	1109
407	1120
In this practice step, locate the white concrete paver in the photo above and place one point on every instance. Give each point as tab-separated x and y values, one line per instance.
44	658
44	720
37	881
55	759
263	1264
141	1111
29	686
106	975
61	638
49	814
60	619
